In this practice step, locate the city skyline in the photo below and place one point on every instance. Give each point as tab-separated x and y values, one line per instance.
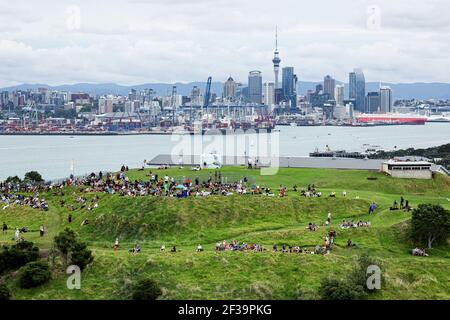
178	42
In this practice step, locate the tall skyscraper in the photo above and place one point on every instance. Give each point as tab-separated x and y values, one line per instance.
269	93
339	94
385	99
229	89
372	103
328	86
276	60
357	89
255	86
289	84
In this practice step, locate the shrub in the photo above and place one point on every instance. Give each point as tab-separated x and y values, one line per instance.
333	289
359	274
5	294
18	255
81	256
146	289
71	250
64	243
34	274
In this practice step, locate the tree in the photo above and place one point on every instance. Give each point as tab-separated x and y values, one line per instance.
33	177
430	223
5	294
13	180
146	289
34	274
333	289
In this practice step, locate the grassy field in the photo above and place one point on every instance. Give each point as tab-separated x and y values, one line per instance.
254	219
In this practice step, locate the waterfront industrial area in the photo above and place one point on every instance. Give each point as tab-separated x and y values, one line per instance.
238	107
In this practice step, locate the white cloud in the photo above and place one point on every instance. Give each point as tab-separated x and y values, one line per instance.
139	41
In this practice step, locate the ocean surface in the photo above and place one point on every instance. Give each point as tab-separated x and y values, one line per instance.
55	156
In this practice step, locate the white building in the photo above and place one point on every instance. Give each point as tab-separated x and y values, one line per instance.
269	93
408	169
386	100
339	94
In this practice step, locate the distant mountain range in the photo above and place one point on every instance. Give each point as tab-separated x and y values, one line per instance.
401	90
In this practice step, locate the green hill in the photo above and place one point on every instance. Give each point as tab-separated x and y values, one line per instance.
254	219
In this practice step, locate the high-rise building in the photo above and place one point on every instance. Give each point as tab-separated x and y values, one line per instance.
357	89
276	60
255	86
339	94
229	90
372	103
386	99
195	96
328	86
289	84
269	93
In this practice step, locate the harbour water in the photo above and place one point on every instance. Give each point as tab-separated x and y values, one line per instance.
52	155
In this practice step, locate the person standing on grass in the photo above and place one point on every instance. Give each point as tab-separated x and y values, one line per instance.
116	244
5	227
329	217
41	230
17	234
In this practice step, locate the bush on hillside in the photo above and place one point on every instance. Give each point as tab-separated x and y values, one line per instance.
81	256
34	274
430	224
72	251
16	256
146	289
5	294
333	289
359	274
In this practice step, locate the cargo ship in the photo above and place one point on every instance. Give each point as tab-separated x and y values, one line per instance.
391	119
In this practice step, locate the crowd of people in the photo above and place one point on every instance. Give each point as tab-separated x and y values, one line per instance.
404	205
347	224
34	201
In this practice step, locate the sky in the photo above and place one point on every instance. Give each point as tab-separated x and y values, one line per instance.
132	42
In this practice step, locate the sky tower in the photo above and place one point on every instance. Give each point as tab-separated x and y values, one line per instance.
276	59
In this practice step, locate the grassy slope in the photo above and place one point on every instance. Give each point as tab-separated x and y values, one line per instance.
237	275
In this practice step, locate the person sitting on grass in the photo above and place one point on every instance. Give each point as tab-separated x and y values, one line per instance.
162	248
136	249
275	248
174	249
199	248
419	252
394	206
350	244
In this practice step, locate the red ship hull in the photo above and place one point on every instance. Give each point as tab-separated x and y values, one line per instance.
391	119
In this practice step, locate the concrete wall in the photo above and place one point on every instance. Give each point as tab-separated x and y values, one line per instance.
411	174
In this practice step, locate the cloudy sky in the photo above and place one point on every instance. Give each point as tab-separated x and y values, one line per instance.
140	41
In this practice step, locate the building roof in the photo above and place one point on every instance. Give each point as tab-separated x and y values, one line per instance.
408	163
